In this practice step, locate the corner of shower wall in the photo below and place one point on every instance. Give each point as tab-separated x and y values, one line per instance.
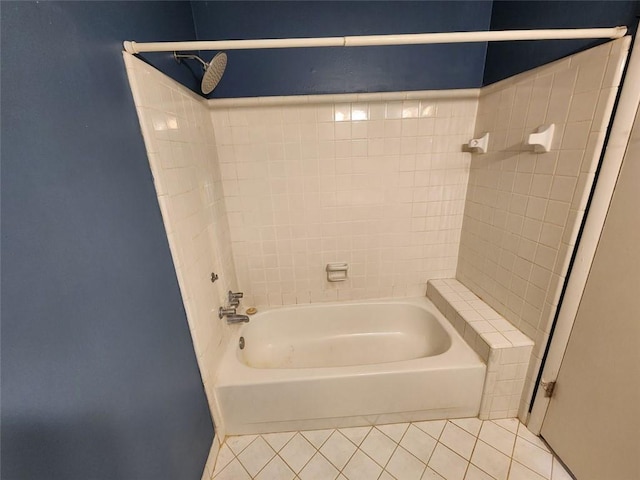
523	210
182	153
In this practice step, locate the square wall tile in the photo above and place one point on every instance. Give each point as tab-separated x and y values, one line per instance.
543	194
360	186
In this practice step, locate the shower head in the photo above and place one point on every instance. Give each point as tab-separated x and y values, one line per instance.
213	70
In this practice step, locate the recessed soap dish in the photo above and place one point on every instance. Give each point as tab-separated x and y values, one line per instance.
337	272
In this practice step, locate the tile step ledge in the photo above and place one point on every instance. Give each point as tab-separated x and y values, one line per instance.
505	349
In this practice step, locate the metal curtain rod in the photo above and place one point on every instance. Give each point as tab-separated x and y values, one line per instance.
369	40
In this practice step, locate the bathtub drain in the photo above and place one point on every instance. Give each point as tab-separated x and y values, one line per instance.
241	343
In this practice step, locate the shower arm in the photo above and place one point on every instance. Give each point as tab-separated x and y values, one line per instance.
178	56
370	40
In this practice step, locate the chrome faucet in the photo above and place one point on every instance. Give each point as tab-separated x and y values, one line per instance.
225	312
234	298
232	317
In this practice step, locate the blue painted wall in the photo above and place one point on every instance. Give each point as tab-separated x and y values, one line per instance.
340	70
99	376
505	59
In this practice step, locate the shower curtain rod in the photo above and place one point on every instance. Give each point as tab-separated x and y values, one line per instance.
370	40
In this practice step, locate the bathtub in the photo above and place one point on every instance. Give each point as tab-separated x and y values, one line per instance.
346	364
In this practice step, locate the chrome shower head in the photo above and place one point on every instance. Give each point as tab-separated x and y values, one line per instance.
213	70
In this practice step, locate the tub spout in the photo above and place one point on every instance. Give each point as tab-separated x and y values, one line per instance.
233	319
230	313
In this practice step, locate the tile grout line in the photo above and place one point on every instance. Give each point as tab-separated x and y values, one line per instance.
323	456
513	449
426	465
333	431
267	463
365	453
351	456
307	462
330	462
533	471
246	446
505	429
235	457
480	440
437	442
384	469
241	465
473	450
452	451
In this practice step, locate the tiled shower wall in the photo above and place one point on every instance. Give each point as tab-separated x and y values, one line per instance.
523	210
177	130
377	181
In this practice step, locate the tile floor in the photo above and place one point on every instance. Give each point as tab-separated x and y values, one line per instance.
467	448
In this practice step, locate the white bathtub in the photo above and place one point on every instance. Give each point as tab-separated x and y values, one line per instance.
347	364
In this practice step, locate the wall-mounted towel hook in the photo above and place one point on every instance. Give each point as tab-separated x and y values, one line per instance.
542	138
479	145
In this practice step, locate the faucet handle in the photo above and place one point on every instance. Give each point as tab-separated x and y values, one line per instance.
235	297
225	312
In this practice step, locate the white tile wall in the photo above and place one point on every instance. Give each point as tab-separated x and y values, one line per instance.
523	210
379	184
180	145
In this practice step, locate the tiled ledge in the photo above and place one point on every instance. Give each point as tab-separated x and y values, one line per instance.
466	93
502	346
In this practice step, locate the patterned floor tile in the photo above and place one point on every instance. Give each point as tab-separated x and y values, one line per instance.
448	463
459	449
361	467
491	460
499	438
405	466
458	440
256	456
297	452
278	440
378	446
532	457
318	468
432	427
317	437
276	469
356	434
418	443
338	450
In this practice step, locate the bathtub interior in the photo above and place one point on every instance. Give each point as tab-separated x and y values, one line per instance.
341	335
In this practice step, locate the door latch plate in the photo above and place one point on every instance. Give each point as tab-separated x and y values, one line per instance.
548	388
